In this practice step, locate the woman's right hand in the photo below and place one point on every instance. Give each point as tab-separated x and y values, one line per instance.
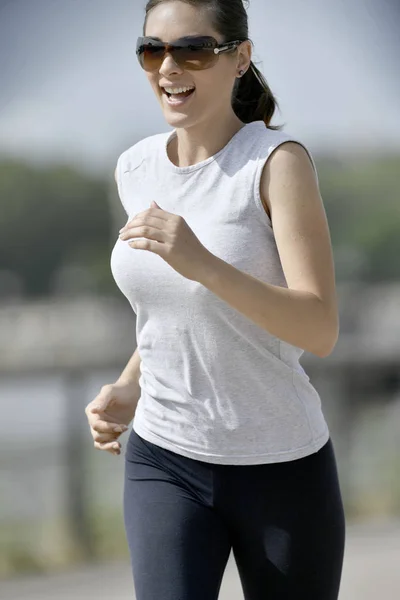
110	413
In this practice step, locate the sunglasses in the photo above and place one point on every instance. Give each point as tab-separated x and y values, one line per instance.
194	53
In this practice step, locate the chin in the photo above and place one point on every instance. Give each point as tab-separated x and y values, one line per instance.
177	121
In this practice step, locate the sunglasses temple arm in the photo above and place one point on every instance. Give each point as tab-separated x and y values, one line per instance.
229	46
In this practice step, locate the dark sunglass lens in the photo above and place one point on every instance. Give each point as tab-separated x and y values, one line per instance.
197	53
153	56
150	53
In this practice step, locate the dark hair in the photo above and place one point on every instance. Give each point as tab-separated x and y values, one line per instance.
252	99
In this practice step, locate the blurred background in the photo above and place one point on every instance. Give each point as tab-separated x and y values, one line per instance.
72	98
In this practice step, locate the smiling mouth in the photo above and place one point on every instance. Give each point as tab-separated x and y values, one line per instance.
178	96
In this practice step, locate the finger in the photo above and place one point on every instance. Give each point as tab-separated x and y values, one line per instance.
160	213
103	426
104	437
145	231
108	446
151	246
157	213
113	447
156	221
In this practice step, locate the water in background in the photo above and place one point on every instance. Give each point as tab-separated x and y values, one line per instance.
33	461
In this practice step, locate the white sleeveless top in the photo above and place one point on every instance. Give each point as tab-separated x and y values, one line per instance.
215	386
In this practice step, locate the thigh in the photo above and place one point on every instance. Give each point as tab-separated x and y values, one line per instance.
179	547
289	533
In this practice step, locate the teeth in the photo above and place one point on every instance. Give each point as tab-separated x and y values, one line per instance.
178	90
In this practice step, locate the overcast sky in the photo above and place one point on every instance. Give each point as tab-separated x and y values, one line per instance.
70	84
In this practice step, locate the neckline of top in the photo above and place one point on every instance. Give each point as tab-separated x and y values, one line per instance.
190	168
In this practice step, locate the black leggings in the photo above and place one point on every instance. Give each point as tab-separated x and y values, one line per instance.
283	521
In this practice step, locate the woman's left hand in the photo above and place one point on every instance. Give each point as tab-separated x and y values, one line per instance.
170	237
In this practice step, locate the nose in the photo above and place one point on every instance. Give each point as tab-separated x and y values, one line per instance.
169	66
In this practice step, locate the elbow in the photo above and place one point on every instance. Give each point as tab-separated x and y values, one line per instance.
328	341
325	351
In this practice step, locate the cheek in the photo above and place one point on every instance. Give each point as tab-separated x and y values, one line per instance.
219	90
226	76
153	81
211	82
221	80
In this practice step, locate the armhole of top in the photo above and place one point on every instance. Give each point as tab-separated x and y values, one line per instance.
118	179
260	168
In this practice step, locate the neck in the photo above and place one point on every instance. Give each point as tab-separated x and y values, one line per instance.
201	141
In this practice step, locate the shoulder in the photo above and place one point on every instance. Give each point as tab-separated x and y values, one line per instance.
289	162
134	160
131	158
279	146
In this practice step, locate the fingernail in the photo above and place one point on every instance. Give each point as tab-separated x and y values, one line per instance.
118	429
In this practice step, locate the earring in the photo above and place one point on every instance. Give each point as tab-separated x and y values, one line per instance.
241	73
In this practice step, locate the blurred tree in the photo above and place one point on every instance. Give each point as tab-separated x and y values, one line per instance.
50	219
362	200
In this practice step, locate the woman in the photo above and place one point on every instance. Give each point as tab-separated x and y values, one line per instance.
227	263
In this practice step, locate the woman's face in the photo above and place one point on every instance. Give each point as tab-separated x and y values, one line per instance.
170	21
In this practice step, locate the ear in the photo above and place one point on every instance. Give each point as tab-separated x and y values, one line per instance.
244	56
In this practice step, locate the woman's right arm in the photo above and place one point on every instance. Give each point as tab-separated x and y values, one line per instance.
131	373
110	413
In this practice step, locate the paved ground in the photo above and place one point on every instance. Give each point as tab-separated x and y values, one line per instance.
371	572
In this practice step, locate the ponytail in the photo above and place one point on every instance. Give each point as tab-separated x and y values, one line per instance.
253	100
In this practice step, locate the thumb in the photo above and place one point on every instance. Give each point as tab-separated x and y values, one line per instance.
103	401
155	205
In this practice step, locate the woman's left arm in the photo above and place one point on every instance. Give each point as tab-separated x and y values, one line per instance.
305	314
